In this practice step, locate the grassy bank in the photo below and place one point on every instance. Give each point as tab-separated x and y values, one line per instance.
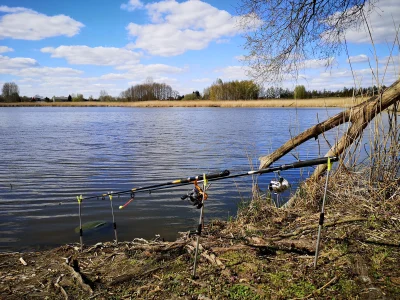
265	253
321	102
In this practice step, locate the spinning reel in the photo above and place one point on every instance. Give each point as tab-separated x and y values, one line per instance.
196	196
279	184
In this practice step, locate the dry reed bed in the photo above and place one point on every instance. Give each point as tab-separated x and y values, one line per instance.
320	102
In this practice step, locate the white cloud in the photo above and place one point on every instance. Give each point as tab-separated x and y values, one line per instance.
240	57
340	73
114	76
8	64
383	22
166	80
47	71
4	49
317	63
26	24
7	9
201	80
102	56
222	41
139	72
30	80
391	61
28	67
233	73
339	78
47	81
358	58
152	68
63	86
364	75
132	5
134	82
178	27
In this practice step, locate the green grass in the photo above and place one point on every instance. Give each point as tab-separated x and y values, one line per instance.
240	292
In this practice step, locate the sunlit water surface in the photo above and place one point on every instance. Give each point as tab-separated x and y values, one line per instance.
51	155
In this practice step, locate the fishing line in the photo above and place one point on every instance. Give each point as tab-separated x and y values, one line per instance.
129	201
201	222
322	214
113	218
79	198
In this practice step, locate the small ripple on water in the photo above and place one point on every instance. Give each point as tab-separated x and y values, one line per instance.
49	216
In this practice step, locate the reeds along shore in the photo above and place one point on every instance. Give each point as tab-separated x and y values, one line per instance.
319	102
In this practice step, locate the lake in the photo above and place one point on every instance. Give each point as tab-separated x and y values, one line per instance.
50	155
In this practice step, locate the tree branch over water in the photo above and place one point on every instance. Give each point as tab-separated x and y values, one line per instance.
359	116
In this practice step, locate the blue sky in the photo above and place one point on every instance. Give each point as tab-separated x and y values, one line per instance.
62	47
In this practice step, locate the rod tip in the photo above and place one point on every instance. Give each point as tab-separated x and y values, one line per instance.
121	207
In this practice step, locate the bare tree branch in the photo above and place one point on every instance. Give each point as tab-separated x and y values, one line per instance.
359	116
285	33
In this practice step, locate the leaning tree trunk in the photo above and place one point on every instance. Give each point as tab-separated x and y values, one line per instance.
359	116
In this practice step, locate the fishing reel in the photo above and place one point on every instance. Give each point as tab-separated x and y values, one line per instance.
279	185
196	196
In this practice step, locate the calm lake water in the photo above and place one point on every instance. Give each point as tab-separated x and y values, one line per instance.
51	155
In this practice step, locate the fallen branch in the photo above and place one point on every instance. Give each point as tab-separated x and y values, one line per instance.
319	290
79	278
231	248
314	226
130	276
158	248
213	259
372	242
286	247
57	285
196	282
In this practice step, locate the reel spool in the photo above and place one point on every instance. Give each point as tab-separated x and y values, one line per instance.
196	196
279	185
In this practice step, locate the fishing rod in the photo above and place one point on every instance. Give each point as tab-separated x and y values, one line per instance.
169	184
218	176
294	165
322	215
277	187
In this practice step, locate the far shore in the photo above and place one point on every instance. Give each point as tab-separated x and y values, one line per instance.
318	102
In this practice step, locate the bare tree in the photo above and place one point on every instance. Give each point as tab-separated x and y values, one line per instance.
149	91
10	91
284	33
103	95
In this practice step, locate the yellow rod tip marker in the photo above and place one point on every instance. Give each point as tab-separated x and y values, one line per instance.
121	207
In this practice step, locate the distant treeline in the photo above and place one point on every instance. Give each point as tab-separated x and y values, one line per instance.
232	90
149	91
301	93
219	90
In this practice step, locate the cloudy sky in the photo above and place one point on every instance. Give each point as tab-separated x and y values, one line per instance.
62	47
